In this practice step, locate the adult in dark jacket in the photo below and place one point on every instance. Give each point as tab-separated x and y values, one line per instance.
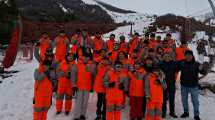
169	67
190	70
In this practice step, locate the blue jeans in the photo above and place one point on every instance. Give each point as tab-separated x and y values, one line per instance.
194	96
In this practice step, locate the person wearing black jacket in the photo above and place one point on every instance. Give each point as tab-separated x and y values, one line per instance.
169	67
190	70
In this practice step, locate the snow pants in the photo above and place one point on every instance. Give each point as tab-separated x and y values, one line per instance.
81	103
136	104
113	111
153	111
64	95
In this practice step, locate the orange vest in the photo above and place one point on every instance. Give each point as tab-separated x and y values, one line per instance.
61	46
42	91
63	81
84	76
136	86
180	53
98	85
75	37
44	44
110	45
124	47
115	94
133	45
131	61
168	50
98	44
156	91
97	58
113	56
153	44
171	42
74	49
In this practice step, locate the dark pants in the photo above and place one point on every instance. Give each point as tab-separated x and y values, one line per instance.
136	107
169	95
144	106
101	106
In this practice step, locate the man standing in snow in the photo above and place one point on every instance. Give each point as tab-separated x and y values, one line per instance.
169	67
190	70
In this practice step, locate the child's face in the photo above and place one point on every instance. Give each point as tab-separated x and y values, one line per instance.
167	57
115	47
118	67
149	63
121	56
85	59
103	53
137	66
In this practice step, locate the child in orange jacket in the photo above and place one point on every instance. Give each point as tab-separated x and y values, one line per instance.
116	83
136	91
66	69
154	86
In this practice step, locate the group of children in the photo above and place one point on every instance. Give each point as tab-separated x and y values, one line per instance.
143	70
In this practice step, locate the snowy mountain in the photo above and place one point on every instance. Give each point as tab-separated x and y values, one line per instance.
89	11
117	14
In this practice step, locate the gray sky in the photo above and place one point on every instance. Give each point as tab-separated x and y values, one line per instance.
179	7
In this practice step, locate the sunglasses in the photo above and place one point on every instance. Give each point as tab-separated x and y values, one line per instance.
118	66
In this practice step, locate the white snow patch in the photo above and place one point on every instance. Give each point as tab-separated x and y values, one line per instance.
90	2
63	8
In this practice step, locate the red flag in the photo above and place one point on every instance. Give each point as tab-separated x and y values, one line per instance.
12	49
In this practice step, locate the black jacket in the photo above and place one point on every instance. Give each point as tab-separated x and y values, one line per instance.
189	73
169	69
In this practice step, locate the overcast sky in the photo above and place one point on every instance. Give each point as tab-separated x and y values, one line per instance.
179	7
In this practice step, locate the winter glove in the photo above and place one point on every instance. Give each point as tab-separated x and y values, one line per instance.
37	44
121	86
127	93
109	53
68	75
47	73
148	98
111	85
54	84
33	101
74	89
91	90
158	82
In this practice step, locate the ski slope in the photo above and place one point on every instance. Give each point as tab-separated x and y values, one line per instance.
120	17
